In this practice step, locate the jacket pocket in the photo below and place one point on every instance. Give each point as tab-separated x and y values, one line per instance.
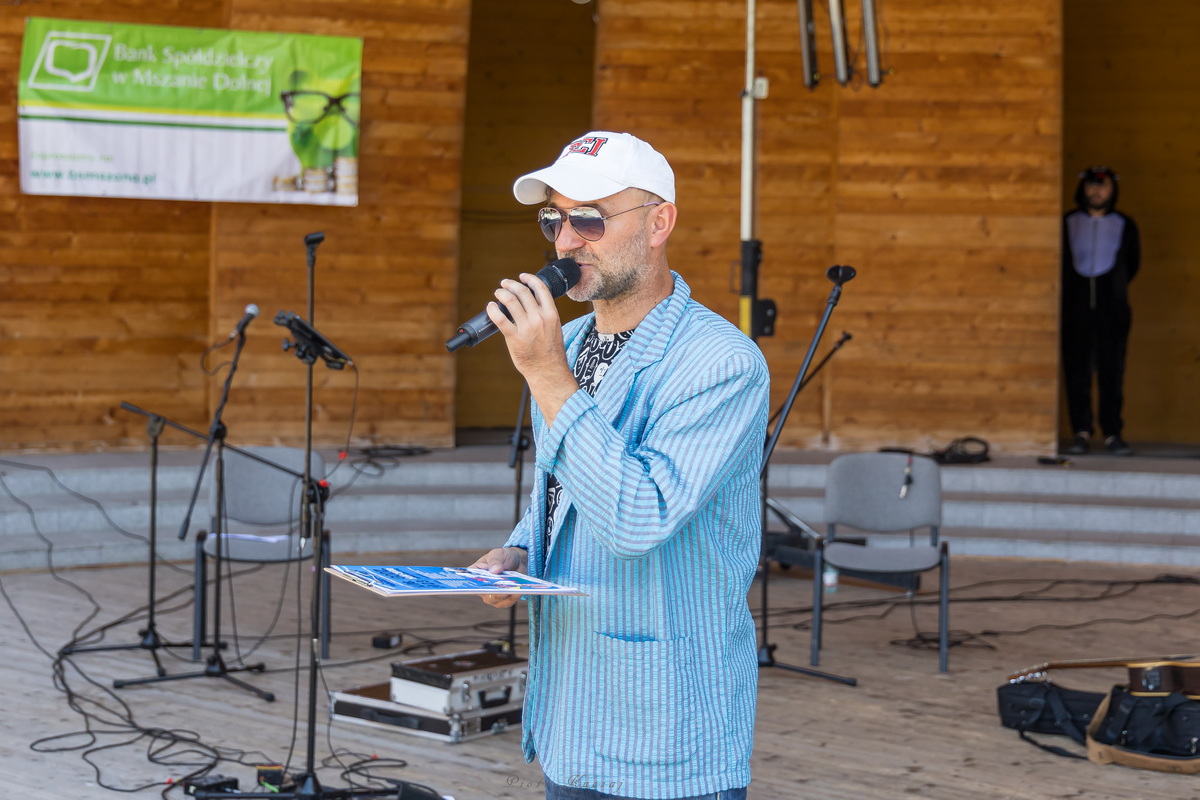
646	697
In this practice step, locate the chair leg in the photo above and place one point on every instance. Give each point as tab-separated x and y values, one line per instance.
818	590
199	598
944	612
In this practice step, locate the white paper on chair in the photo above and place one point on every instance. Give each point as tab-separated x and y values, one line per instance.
250	537
410	580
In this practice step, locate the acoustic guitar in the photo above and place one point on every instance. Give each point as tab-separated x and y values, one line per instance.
1148	677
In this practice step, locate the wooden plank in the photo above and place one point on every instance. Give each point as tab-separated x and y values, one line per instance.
809	734
942	184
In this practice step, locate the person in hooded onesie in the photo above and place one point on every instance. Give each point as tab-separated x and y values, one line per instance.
1101	255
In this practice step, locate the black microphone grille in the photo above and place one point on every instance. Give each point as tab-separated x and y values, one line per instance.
841	274
560	275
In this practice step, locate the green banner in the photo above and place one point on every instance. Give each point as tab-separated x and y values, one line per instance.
184	113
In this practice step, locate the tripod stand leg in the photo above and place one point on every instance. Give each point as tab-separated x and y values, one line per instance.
265	695
151	640
766	658
766	651
215	668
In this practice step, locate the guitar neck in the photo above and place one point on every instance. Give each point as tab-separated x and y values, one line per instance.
1096	663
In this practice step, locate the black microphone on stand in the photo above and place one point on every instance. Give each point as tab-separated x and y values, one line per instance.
559	276
840	274
251	313
311	242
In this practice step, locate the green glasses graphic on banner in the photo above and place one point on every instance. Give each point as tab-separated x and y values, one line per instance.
322	124
193	114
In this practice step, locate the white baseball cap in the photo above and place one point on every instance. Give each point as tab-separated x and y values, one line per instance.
599	164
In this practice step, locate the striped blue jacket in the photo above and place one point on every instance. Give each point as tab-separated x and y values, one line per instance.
646	687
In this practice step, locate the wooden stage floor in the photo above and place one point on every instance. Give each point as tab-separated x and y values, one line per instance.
904	731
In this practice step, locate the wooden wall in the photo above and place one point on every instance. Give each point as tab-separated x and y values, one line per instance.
1132	101
529	92
941	187
100	300
109	300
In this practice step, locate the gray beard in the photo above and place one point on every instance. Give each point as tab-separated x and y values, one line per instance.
614	286
624	279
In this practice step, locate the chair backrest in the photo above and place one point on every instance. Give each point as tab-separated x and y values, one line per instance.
862	490
259	493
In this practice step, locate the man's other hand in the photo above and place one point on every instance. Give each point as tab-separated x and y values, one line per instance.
503	559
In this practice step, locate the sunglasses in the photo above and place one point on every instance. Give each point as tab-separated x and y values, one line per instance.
588	222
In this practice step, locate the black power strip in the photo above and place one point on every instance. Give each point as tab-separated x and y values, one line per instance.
210	784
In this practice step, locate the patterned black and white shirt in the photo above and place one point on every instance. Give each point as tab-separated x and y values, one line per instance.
595	357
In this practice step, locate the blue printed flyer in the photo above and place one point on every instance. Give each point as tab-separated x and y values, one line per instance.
403	581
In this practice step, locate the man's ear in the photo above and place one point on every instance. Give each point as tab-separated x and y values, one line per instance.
662	223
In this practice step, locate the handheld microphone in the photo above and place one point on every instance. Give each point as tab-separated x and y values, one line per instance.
251	313
559	276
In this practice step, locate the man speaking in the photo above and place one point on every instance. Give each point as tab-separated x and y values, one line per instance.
649	417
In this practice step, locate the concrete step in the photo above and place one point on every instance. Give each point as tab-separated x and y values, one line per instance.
75	548
132	513
123	473
1000	511
447	502
370	504
1135	510
1170	550
1031	480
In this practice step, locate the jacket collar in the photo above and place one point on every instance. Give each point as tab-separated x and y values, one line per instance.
647	346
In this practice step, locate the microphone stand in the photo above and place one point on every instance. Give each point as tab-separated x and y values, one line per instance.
199	622
150	638
766	652
307	785
757	316
516	462
215	667
795	525
845	337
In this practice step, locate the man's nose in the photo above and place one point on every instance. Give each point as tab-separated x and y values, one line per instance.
568	239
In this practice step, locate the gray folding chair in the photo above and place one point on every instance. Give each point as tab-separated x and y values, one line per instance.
883	493
261	522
